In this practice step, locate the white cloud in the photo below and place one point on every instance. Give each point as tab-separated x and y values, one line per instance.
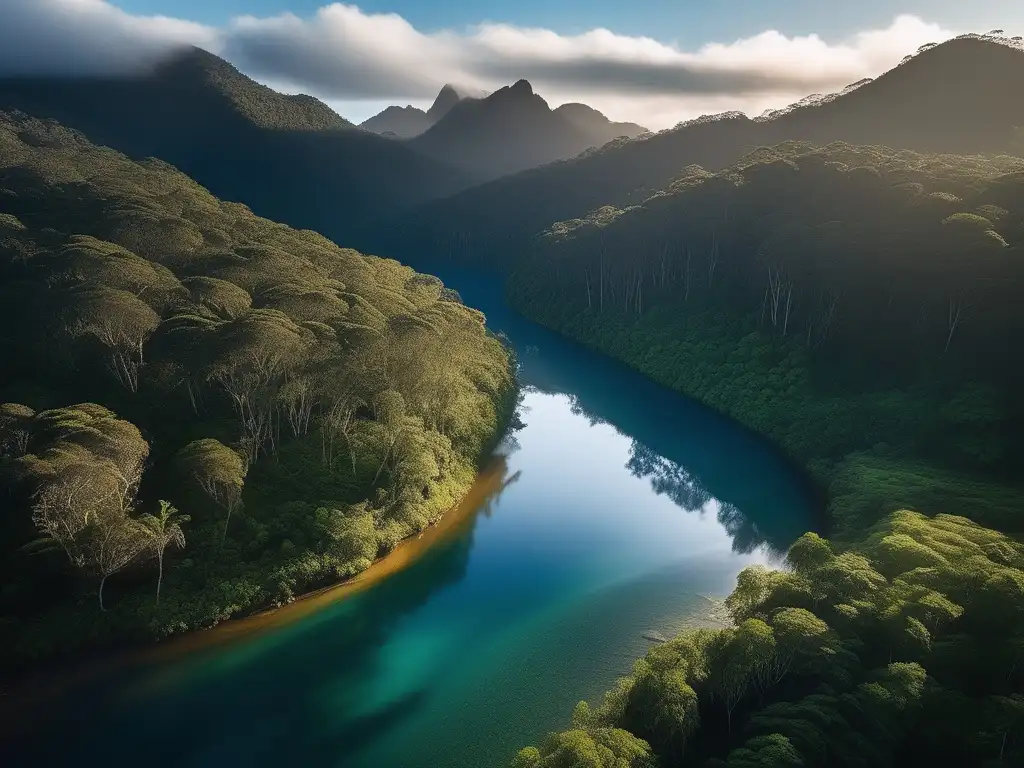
344	55
44	37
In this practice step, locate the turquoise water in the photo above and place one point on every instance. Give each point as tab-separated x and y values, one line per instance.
624	504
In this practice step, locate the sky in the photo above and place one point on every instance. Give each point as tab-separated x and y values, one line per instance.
655	62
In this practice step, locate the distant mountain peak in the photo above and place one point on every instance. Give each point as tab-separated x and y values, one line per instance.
514	129
587	118
522	87
447	98
575	107
409	121
519	94
206	73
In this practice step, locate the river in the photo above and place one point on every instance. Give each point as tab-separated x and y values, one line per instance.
613	514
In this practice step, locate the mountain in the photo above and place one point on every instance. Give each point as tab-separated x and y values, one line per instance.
446	98
509	131
409	121
954	97
290	157
596	124
398	122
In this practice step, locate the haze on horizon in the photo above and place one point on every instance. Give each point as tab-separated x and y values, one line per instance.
362	60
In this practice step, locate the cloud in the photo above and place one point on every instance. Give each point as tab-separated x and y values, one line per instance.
88	37
343	54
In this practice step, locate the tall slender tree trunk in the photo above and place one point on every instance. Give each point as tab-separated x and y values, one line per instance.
160	573
102	582
351	454
227	521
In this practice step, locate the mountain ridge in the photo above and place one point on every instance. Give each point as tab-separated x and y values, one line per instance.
512	130
948	98
287	157
408	121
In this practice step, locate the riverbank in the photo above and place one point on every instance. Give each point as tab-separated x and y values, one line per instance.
24	697
194	601
866	454
897	638
626	508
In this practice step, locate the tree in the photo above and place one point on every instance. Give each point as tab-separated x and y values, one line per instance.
224	299
256	352
669	707
15	428
799	636
87	474
75	491
593	748
770	751
809	553
1007	714
389	412
351	534
121	322
341	419
98	263
163	530
745	658
754	584
218	470
109	263
114	542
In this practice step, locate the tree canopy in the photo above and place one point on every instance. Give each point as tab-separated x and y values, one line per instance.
860	306
305	406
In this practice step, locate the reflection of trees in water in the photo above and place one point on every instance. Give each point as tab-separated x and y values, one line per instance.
746	536
692	490
578	410
679	484
670	478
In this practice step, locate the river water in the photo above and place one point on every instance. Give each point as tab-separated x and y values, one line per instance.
613	514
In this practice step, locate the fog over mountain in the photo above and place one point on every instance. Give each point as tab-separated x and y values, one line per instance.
946	98
349	57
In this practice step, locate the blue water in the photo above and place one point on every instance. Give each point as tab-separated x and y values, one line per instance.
624	505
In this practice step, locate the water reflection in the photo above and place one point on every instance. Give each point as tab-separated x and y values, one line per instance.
692	454
485	632
321	702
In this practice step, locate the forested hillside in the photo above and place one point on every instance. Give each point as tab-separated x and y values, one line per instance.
861	307
205	411
601	129
947	98
288	157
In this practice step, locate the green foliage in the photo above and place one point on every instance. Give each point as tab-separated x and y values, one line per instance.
308	405
848	303
595	748
827	665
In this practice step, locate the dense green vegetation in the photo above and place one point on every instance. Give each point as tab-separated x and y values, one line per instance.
205	411
860	306
903	651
